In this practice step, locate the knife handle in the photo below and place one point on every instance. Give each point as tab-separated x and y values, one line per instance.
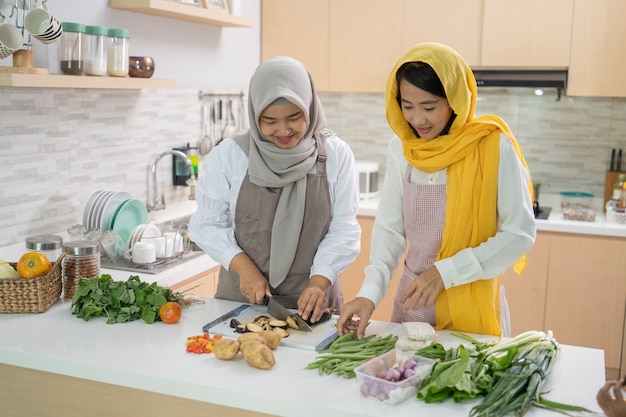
618	163
612	164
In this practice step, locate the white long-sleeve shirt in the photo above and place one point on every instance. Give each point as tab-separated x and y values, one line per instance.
515	234
224	170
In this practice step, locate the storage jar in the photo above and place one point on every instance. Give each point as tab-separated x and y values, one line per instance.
71	48
96	50
118	52
49	245
82	260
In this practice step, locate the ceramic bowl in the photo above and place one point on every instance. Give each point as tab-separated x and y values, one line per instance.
140	66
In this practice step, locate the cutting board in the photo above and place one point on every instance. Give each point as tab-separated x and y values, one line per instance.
320	338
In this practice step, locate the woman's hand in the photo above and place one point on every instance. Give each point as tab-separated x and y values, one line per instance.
252	283
312	301
359	307
611	399
423	291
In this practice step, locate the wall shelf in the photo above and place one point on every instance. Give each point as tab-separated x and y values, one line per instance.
84	81
181	11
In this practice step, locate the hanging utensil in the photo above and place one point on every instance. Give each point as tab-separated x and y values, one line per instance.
205	144
230	128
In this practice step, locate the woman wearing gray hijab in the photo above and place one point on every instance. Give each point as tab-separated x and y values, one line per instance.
277	204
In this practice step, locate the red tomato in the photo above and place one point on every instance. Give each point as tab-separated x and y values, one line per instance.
170	312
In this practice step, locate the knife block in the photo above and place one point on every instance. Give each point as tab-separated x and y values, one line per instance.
611	179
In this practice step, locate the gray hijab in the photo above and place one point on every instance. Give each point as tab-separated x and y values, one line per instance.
271	166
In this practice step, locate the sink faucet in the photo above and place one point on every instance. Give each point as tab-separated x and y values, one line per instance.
159	203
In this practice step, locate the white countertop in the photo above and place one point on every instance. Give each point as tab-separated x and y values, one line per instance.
153	358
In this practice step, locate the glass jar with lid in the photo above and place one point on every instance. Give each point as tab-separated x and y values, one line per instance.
49	245
71	48
118	52
96	39
82	260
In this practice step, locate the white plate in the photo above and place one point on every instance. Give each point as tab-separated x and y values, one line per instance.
111	206
99	207
134	236
89	206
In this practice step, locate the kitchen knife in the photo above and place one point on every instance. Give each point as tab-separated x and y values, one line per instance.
618	161
274	308
612	164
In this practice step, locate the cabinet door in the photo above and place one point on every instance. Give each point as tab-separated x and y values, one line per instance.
529	33
451	22
586	291
526	295
203	284
352	278
364	43
598	49
298	29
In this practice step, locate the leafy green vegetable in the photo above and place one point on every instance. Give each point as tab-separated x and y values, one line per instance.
120	301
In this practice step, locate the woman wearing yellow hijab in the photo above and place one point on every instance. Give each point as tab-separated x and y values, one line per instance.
457	192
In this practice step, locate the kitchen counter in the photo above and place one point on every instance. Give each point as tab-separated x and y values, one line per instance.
54	364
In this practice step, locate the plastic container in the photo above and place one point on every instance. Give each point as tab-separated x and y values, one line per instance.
49	245
82	260
390	392
118	52
71	48
96	39
577	206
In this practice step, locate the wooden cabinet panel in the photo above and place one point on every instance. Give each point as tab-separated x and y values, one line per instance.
598	55
451	22
298	29
364	43
586	293
526	295
530	33
352	278
203	284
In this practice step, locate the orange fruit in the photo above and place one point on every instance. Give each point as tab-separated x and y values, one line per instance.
33	265
170	312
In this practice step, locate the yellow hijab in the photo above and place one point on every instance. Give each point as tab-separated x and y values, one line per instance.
471	154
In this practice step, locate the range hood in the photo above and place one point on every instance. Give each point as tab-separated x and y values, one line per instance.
533	78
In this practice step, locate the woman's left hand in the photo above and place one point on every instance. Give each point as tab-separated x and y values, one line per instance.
312	301
611	399
423	291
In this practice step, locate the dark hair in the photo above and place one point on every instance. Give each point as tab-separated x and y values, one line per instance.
424	77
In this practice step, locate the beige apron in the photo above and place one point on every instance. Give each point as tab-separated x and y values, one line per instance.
254	217
424	208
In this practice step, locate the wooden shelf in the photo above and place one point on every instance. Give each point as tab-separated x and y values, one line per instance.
181	11
82	81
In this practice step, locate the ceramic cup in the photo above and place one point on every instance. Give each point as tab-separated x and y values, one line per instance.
159	245
42	25
11	38
173	244
143	253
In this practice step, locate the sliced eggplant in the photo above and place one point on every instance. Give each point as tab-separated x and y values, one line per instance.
241	328
278	323
282	332
253	327
291	323
234	323
326	315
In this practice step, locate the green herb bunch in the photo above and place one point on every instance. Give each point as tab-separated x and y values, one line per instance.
120	301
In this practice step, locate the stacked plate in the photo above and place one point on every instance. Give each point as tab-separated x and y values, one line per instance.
114	210
143	231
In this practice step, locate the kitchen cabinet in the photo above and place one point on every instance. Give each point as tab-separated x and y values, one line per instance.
352	278
188	12
530	33
573	285
203	284
304	37
598	54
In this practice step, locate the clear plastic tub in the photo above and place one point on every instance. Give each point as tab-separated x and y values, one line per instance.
374	385
577	206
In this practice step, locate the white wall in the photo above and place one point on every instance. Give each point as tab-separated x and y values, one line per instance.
197	55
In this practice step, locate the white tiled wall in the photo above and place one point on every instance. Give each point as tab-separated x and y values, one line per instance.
57	146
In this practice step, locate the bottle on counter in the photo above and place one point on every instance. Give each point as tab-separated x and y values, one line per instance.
118	52
71	48
82	260
621	203
617	187
96	38
49	245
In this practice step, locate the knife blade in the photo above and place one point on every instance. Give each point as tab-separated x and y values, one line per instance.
274	308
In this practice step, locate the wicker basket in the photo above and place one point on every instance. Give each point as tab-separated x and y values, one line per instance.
32	295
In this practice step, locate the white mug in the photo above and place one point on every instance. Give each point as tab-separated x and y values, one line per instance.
42	25
159	245
11	38
143	253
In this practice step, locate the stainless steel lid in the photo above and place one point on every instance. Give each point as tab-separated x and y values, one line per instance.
44	242
81	247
